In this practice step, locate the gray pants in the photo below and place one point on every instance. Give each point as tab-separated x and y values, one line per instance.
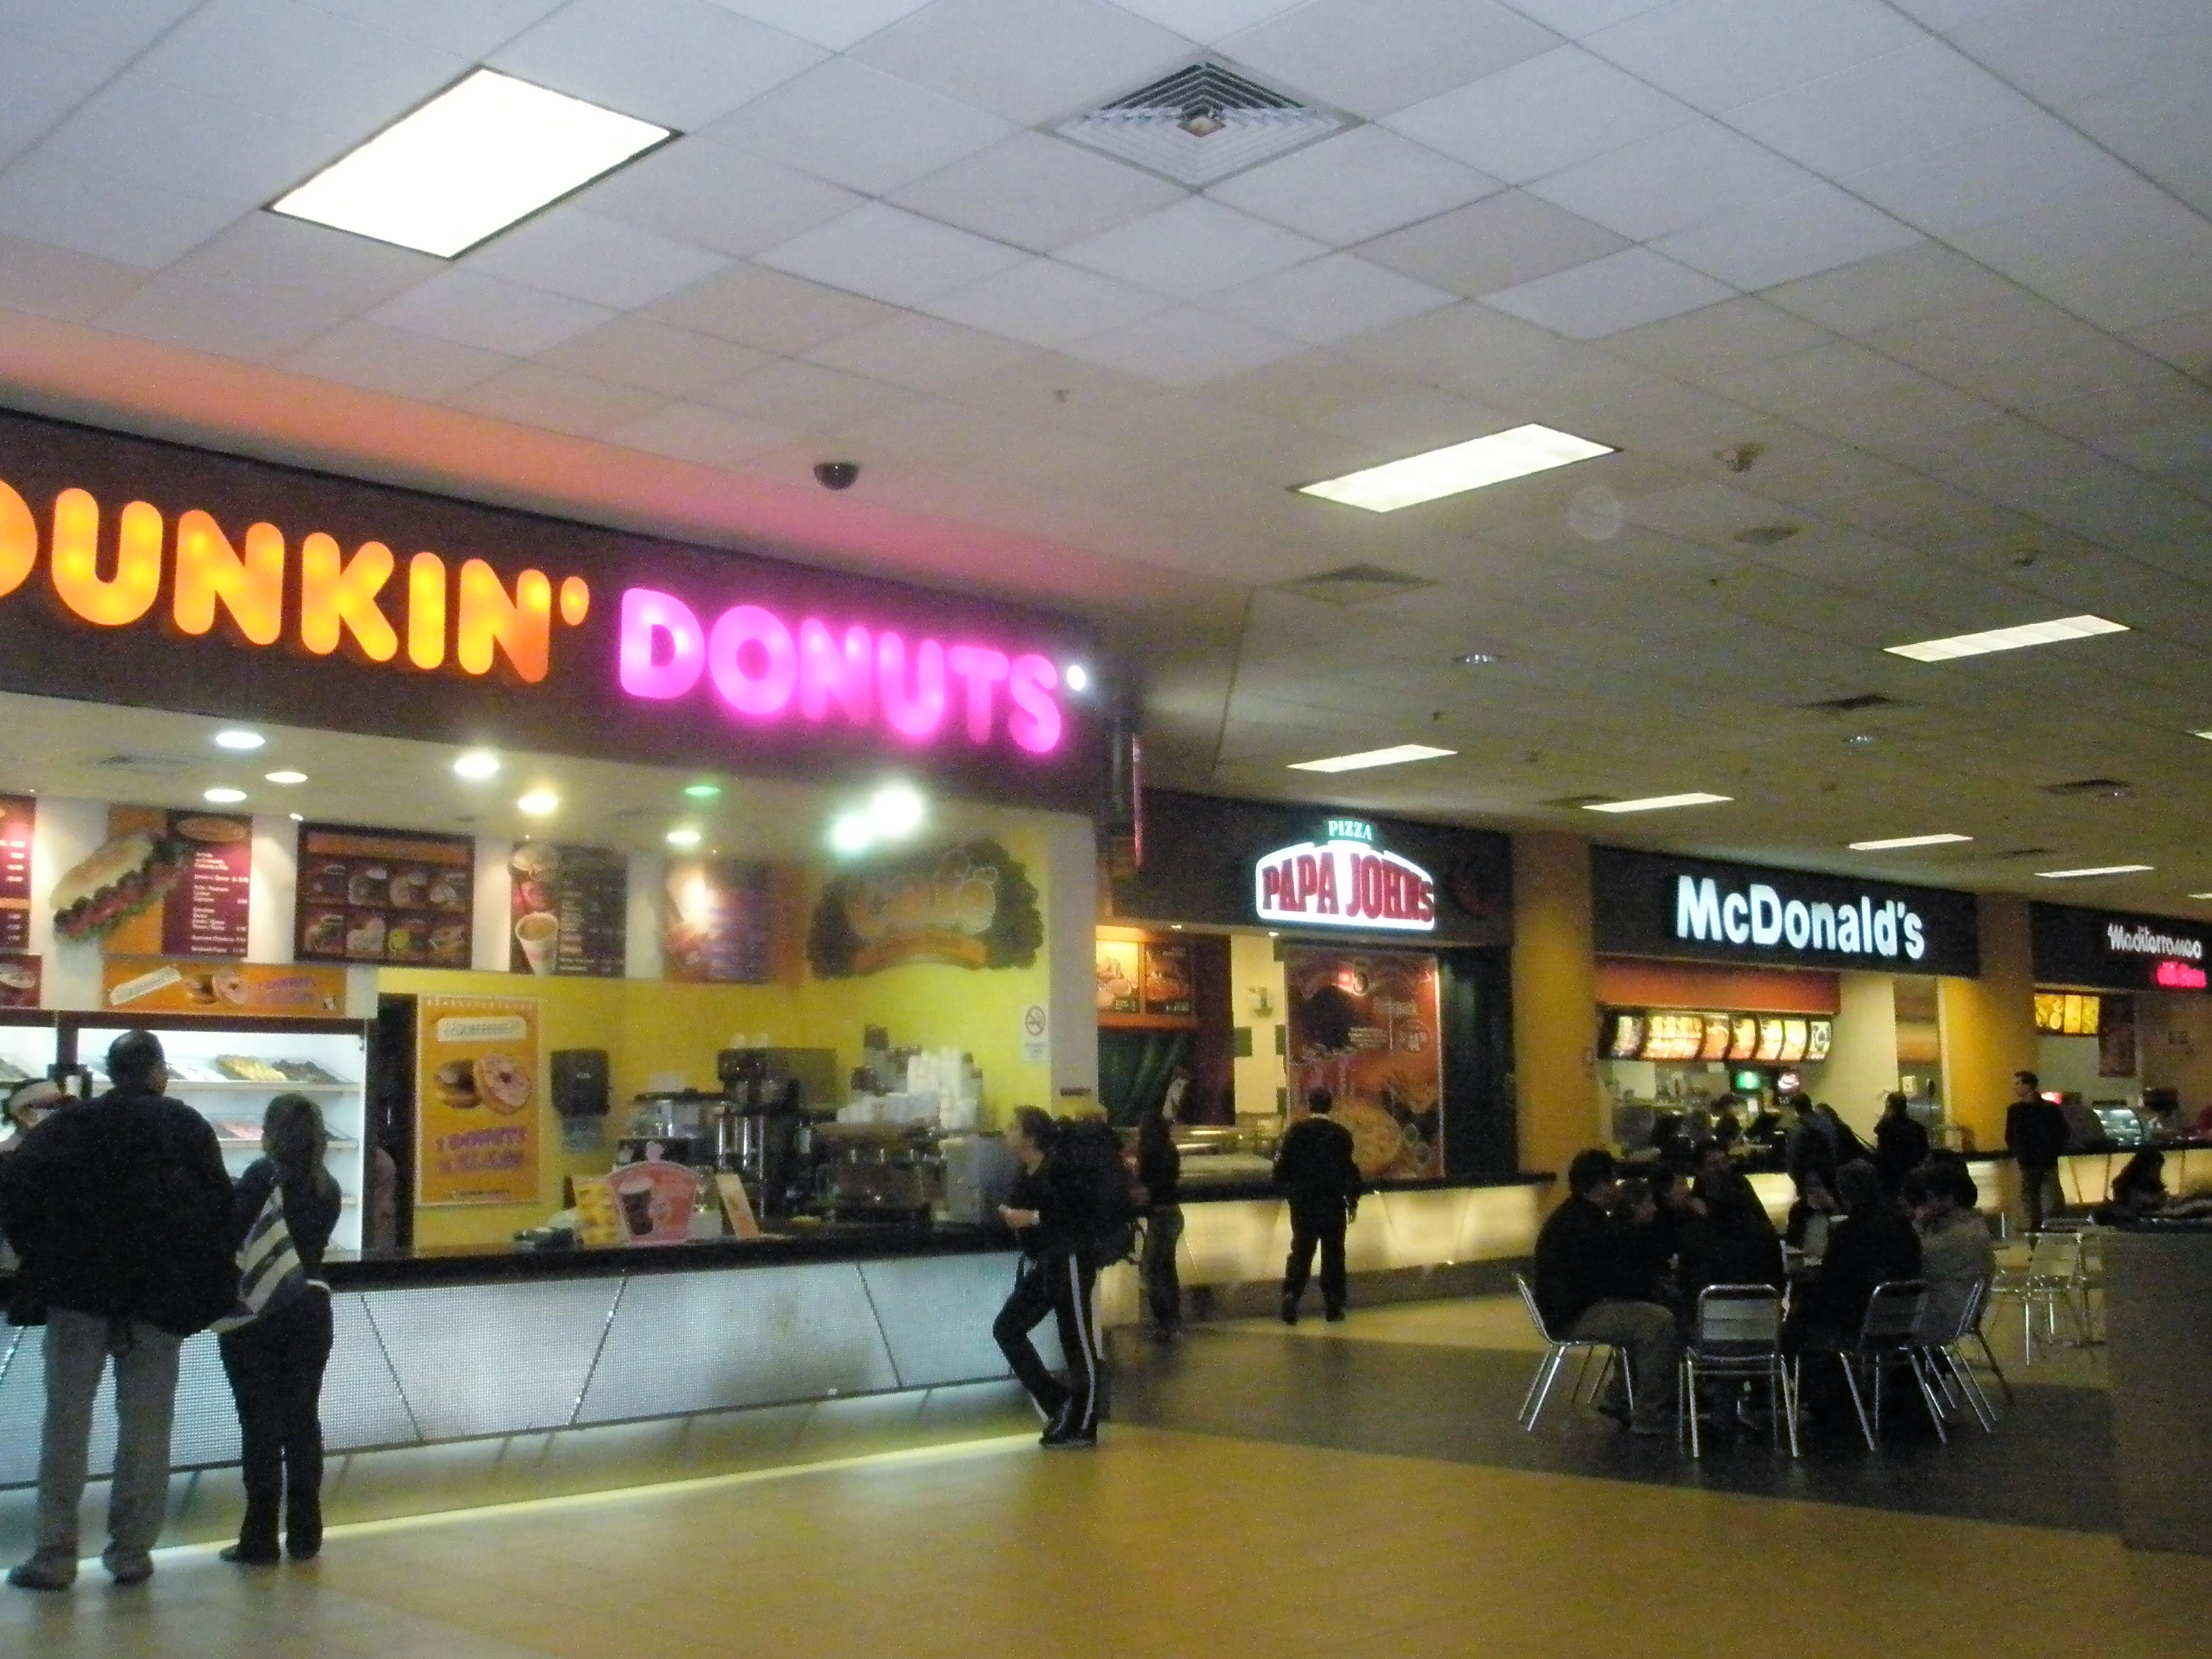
1648	1332
78	1347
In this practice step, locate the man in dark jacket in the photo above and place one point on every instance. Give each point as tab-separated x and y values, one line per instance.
2036	1135
120	1209
1314	1167
1872	1244
1052	1218
1586	1288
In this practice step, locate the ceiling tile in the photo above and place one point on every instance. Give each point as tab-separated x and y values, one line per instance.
230	321
570	251
636	351
51	281
1719	337
468	27
1620	291
1673	180
1208	20
2042	47
1327	299
38	86
2011	169
49	200
1789	237
707	194
534	394
1541	115
395	360
707	437
859	127
472	308
1827	373
1507	239
2185	341
1719	53
1027	62
806	397
680	63
139	128
766	309
113	33
1310	387
1183	347
891	255
1044	302
300	261
2064	253
1415	422
2160	125
1882	109
1893	288
1037	192
835	24
1195	246
923	354
1894	414
1376	57
1355	186
1577	18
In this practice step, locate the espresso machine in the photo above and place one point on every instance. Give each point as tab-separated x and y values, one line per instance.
762	1129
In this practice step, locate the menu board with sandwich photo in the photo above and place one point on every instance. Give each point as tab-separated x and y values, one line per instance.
163	885
479	1082
17	815
385	896
568	910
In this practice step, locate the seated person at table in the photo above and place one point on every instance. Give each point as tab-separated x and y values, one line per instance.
1955	1252
1814	1204
1729	1239
1646	1238
1872	1244
2138	1190
1585	1288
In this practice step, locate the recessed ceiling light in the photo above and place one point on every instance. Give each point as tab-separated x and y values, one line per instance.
2007	638
850	834
1448	471
285	777
238	740
1654	803
1076	678
2197	895
538	803
1397	755
1475	659
683	837
297	817
224	797
487	151
896	812
2095	869
476	767
1895	842
703	791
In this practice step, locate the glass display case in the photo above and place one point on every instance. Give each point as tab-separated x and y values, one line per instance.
28	1048
228	1070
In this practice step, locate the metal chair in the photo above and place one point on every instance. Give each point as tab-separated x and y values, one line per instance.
1885	1341
1555	1355
1942	1338
2052	1278
1736	1337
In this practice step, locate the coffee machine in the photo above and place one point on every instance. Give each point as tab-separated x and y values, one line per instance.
762	1130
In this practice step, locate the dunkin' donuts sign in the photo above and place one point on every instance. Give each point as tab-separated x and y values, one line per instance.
1343	880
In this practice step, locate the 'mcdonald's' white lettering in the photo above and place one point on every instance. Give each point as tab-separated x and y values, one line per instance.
1760	916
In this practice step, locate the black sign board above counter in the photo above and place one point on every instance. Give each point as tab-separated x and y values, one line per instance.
1655	904
2114	950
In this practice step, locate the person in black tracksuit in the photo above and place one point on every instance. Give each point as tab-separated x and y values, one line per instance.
1315	1169
1052	1219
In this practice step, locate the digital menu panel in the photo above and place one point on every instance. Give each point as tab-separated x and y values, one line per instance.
1770	1040
1819	1033
16	815
1623	1037
1720	1032
1675	1036
1744	1045
2068	1013
385	896
1794	1038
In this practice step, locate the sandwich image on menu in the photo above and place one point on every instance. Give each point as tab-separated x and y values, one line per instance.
124	877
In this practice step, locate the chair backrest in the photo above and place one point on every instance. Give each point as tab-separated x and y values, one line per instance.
1528	1301
1893	1312
1815	1244
1951	1313
1738	1318
2054	1255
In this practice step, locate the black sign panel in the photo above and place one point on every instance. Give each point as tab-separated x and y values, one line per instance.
2111	950
149	575
1650	904
1203	855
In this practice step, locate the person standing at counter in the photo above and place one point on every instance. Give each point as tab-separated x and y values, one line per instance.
29	1104
274	1364
1051	1215
1314	1166
1159	1173
2036	1135
120	1209
1900	1144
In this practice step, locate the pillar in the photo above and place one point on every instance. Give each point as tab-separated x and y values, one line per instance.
1559	1106
1988	1025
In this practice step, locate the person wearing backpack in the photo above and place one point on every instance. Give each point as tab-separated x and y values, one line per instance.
120	1209
1054	1215
275	1361
1315	1169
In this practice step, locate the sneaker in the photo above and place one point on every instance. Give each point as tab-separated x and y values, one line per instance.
1072	1440
43	1572
239	1556
1289	1310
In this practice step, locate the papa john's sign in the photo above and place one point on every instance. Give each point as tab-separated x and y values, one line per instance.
1344	881
141	572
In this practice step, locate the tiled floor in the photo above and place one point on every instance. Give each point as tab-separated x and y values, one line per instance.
1240	1540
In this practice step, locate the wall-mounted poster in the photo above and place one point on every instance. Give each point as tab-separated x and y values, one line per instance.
17	813
568	910
1120	977
163	885
19	981
385	896
478	1077
1167	979
716	923
1364	1025
970	906
184	987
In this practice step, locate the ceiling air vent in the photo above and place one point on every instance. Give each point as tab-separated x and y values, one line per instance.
1202	123
1853	705
152	765
2110	789
1355	584
2027	853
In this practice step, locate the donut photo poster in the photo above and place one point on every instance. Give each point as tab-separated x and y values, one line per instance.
1364	1025
480	1101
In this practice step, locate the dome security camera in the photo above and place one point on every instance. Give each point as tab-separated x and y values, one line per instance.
836	475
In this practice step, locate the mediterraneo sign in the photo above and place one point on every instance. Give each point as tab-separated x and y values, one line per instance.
1343	880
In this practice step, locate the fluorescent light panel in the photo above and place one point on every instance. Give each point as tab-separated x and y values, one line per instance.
487	151
1366	757
1470	466
2007	638
1896	841
2095	869
1654	803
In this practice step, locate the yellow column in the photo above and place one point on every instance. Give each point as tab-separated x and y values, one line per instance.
1988	1025
1554	1003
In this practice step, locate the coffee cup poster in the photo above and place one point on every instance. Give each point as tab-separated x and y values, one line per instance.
1364	1025
479	1089
567	910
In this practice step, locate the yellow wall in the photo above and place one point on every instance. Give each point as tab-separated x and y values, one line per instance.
1988	1025
1554	1003
1252	967
2173	1034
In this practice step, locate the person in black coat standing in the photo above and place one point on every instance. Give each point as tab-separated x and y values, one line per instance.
1901	1143
2036	1135
1051	1217
1314	1167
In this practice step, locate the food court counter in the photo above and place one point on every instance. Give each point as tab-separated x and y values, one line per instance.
2158	1313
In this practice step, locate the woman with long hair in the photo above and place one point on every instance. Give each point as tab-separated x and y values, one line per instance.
276	1362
